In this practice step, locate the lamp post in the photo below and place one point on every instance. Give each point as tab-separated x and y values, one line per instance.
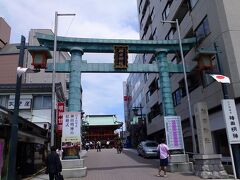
135	111
186	83
11	172
54	75
121	123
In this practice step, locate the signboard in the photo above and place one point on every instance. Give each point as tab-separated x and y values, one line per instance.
60	110
231	120
120	57
173	130
71	129
23	103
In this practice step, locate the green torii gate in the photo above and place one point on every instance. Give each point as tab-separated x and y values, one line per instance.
77	46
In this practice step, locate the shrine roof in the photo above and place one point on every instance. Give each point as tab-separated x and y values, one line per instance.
102	120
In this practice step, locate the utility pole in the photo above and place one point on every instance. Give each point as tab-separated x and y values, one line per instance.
11	171
54	76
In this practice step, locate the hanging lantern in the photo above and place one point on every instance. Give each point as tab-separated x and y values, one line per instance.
40	55
204	59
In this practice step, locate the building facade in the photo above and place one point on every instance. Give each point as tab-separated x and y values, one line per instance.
216	28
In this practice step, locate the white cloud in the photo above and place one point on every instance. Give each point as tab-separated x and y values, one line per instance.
102	93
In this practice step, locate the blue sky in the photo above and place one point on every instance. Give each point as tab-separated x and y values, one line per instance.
115	19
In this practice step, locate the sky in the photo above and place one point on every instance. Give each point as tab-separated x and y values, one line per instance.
110	19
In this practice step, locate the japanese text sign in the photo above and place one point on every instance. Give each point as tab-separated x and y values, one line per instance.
231	120
23	103
71	125
173	129
60	110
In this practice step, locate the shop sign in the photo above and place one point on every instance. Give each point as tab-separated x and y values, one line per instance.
173	130
60	111
23	103
231	120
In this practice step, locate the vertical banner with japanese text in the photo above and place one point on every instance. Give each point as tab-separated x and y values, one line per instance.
60	110
173	130
71	129
231	120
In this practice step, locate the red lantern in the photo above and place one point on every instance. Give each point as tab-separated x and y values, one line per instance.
40	56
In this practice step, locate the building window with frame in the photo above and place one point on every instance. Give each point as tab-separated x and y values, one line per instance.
166	11
203	30
42	102
4	100
170	34
177	95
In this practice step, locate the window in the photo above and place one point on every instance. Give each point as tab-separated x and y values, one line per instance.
202	30
145	77
147	96
156	110
42	102
153	86
170	34
4	100
176	59
166	11
193	3
177	95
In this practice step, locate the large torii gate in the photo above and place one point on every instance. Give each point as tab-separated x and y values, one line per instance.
78	46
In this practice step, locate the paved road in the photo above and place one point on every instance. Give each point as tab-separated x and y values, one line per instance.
108	165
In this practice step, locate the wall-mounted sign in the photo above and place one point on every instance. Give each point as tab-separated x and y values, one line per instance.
23	103
231	120
60	110
173	130
120	57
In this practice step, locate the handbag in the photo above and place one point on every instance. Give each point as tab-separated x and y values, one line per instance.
59	177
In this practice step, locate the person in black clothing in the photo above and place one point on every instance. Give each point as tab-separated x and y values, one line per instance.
54	165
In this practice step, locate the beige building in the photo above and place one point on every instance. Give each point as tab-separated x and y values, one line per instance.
211	22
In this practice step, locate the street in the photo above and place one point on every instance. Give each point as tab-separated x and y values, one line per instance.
108	165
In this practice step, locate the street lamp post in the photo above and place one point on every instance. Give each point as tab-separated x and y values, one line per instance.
186	83
121	128
11	172
135	111
54	75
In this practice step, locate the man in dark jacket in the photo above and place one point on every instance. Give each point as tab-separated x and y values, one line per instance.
54	165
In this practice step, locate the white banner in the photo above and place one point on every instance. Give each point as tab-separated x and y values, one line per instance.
231	120
71	126
173	130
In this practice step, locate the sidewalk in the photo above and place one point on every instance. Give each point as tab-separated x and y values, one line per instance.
108	165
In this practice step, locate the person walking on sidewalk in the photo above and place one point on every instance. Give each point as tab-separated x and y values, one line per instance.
54	165
98	146
163	155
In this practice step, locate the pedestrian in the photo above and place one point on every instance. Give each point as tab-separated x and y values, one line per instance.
59	152
163	155
54	165
119	146
98	146
108	144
